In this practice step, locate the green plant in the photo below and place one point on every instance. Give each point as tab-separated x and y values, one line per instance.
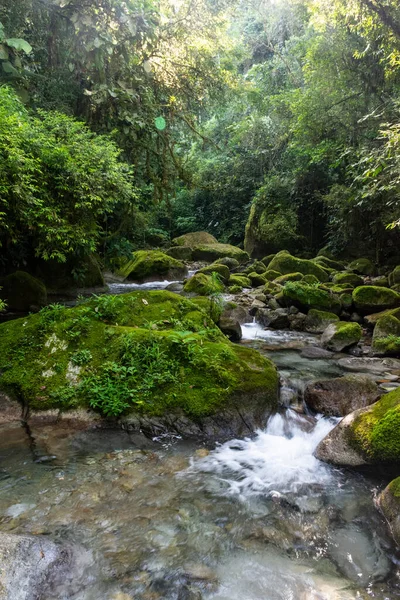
81	357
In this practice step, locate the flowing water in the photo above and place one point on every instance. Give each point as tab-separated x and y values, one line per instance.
253	519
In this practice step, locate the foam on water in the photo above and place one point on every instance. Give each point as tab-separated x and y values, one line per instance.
279	459
120	288
254	331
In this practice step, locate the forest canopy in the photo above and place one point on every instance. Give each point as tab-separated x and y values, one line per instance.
273	123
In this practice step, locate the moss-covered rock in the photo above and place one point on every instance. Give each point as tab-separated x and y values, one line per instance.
256	279
272	288
382	281
222	271
196	238
180	252
239	279
231	263
282	279
74	274
149	265
394	277
371	299
286	263
341	335
386	337
203	285
389	503
328	263
310	279
374	317
363	266
22	292
256	267
348	278
347	300
235	289
212	252
317	320
153	353
267	259
271	275
306	297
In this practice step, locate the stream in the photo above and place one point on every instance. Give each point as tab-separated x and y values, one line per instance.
253	519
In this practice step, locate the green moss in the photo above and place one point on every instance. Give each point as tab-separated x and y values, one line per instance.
212	252
376	431
231	263
267	259
363	266
271	275
349	278
239	279
347	300
318	320
152	351
209	306
282	279
370	298
305	296
235	289
348	332
203	285
381	281
256	279
21	291
286	263
394	487
180	252
394	276
222	271
152	263
257	267
328	263
310	279
195	238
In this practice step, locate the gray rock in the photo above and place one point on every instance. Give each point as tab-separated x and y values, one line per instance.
336	338
175	287
231	328
389	503
256	305
297	321
335	448
239	313
10	410
316	352
369	365
340	396
276	319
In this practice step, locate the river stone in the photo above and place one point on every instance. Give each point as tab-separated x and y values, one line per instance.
369	365
340	396
389	503
10	410
32	566
316	352
175	286
276	319
339	336
335	448
297	321
231	328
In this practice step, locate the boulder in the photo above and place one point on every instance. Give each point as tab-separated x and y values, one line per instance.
235	289
297	321
339	336
328	263
212	252
151	359
282	279
180	252
310	279
267	259
231	328
196	238
340	396
351	279
75	273
231	263
317	320
305	296
256	279
240	279
389	503
386	336
23	293
366	436
286	263
371	299
203	285
381	281
151	265
394	276
372	319
271	275
362	266
276	319
221	270
256	267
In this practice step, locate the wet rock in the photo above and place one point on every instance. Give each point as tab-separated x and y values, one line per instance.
389	503
22	292
237	313
231	328
199	571
386	337
10	410
175	287
256	306
316	352
340	396
317	320
297	321
341	335
33	566
335	447
276	319
369	365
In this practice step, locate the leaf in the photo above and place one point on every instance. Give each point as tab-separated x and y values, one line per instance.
19	44
3	52
8	68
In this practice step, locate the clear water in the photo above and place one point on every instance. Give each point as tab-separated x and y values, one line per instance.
253	519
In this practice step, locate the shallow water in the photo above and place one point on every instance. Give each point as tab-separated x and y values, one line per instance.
254	519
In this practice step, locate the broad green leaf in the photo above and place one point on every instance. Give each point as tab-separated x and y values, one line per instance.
3	52
19	44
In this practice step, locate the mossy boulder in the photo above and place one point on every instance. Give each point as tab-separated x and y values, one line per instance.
347	300
139	356
203	285
305	297
394	277
386	337
235	289
341	335
239	279
317	320
256	267
271	275
382	281
256	279
282	279
180	252
150	265
348	278
371	299
374	318
342	395
363	266
231	263
328	263
75	273
212	252
286	263
267	259
221	270
196	238
389	503
22	292
310	279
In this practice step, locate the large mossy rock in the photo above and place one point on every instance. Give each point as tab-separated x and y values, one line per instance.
221	270
151	358
240	279
307	296
22	292
341	335
203	285
75	273
386	337
318	320
372	298
328	263
196	238
366	436
285	263
212	252
342	395
362	266
180	252
351	279
389	503
150	265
